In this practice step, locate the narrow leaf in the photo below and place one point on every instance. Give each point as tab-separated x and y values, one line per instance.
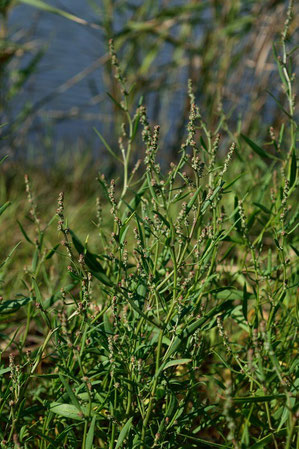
107	146
267	439
258	150
4	207
90	435
90	259
293	169
115	101
52	251
9	255
256	399
279	104
46	7
25	233
70	392
124	432
262	207
228	185
176	362
13	305
245	302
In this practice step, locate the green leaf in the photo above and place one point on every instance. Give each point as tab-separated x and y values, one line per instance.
171	406
152	321
149	59
45	7
295	250
124	228
203	144
236	27
262	207
205	442
124	432
52	251
193	199
25	233
135	126
279	104
134	203
162	218
228	185
210	199
176	362
281	134
37	291
107	146
115	101
91	261
13	305
245	302
267	439
4	207
102	277
9	255
35	260
225	306
258	150
277	307
67	432
70	392
104	188
107	325
90	435
67	410
277	244
4	371
153	193
293	169
255	399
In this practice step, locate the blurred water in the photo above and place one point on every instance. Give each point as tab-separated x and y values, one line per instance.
71	48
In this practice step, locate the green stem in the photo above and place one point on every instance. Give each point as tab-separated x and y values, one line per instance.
152	397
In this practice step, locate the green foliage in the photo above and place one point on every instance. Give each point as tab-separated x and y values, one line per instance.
173	323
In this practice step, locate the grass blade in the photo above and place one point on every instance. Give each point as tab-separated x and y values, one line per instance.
4	207
60	12
124	432
293	169
258	150
107	146
90	434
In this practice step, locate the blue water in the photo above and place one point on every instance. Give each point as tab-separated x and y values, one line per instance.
70	49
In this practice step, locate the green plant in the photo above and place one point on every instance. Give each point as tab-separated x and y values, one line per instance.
173	323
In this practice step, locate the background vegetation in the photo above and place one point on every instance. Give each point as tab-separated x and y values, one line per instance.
155	304
224	47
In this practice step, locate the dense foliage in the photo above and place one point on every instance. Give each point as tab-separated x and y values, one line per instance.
172	324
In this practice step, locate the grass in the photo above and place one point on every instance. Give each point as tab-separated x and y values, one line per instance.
164	316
